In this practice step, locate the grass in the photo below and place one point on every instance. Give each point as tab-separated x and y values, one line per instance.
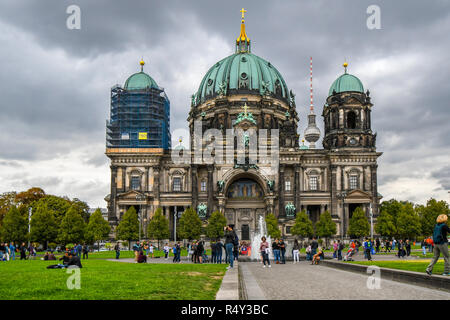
418	265
106	280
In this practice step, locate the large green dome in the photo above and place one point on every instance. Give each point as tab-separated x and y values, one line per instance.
139	81
345	83
242	72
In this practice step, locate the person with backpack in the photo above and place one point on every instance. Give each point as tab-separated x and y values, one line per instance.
440	244
368	249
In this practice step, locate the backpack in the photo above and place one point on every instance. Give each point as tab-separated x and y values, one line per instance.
437	234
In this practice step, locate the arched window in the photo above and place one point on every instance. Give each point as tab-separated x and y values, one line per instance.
135	182
351	120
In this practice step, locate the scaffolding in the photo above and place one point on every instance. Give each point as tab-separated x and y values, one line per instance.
138	119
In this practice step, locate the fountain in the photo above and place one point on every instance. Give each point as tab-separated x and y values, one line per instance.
256	241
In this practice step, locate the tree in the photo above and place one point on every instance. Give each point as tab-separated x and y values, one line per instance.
158	227
98	228
190	226
385	224
30	196
82	208
15	226
72	228
429	213
7	200
408	222
272	226
325	227
128	228
58	205
358	225
216	224
44	228
303	226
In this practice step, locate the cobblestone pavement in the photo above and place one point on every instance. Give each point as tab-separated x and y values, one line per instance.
303	281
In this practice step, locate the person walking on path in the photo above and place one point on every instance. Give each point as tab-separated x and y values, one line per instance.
440	244
408	248
219	246
117	249
229	240
282	251
335	248
368	249
296	251
377	246
314	246
264	249
276	251
166	251
339	250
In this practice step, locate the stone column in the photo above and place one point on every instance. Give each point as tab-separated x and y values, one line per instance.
281	186
297	187
194	186
112	216
210	186
374	187
146	179
156	190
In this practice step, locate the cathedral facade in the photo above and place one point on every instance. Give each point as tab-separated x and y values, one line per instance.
244	93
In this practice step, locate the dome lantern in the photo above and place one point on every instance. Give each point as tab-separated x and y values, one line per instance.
243	42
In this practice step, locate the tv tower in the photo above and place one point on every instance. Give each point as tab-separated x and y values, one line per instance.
312	132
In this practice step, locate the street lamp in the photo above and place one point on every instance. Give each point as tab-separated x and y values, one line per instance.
140	197
30	212
371	221
341	196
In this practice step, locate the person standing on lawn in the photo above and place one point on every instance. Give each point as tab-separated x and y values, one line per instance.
440	244
166	251
23	251
219	247
85	251
150	251
117	249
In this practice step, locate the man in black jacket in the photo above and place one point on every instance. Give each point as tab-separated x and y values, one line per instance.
282	247
74	261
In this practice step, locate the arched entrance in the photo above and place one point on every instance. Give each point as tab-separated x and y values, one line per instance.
245	200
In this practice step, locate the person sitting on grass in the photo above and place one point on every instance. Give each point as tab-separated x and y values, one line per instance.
317	256
65	258
142	257
74	260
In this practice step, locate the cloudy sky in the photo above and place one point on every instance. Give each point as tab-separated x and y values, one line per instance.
55	82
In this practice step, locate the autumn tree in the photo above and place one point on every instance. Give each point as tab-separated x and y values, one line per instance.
15	226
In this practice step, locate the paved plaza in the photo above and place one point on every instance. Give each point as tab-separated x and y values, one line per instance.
305	281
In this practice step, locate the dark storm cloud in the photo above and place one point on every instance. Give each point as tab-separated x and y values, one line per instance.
57	98
443	176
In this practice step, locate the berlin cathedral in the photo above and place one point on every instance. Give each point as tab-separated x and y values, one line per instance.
243	91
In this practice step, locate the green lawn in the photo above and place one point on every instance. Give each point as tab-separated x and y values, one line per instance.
410	265
105	280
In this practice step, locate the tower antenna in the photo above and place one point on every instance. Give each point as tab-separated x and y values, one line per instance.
311	86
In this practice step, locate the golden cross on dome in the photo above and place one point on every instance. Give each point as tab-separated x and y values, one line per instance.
243	11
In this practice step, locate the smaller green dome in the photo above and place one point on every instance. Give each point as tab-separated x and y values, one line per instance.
139	81
346	82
